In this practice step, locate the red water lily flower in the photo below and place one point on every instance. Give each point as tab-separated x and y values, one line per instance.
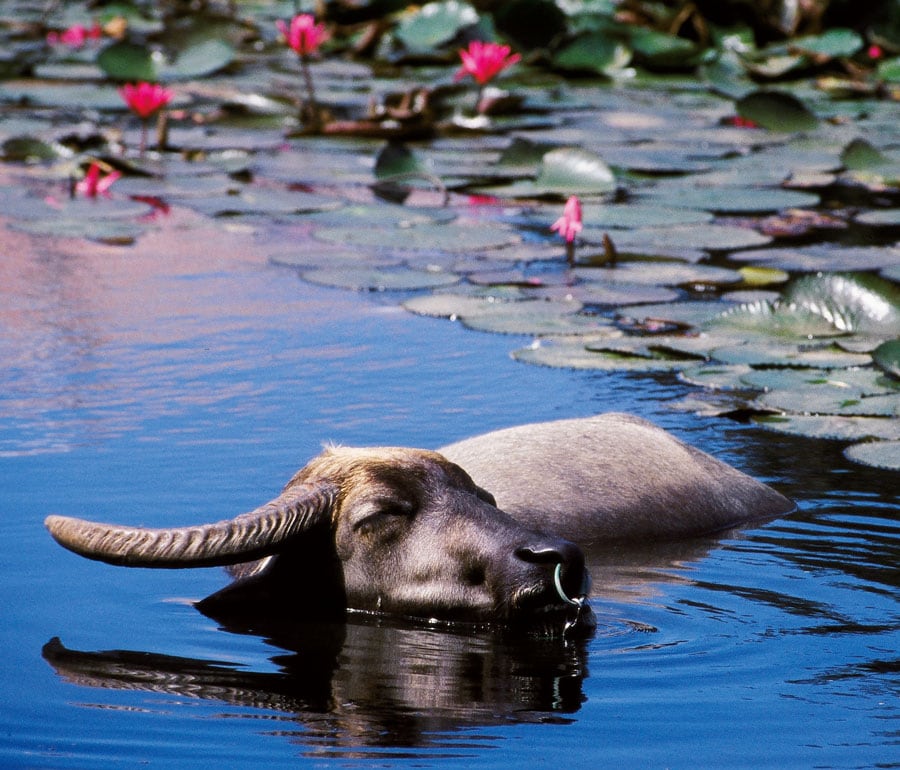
76	35
484	61
569	224
303	34
94	183
145	98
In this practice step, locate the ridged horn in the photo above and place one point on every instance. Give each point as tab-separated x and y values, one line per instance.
246	537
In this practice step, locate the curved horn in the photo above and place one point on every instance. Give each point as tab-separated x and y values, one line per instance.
245	538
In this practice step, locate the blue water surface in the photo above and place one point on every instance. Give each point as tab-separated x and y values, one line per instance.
185	391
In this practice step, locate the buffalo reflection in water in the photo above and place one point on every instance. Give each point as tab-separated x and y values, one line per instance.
364	682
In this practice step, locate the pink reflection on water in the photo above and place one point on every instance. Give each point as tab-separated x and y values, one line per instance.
97	339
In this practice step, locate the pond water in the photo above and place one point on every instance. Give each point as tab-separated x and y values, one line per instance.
175	384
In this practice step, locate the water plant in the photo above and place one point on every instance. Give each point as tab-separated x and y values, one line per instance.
483	62
569	225
144	100
304	36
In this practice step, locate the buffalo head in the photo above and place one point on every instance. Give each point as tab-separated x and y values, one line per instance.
399	531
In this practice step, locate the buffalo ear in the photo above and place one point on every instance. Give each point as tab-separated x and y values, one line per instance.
262	532
483	494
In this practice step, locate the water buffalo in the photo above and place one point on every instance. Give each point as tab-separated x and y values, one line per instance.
408	532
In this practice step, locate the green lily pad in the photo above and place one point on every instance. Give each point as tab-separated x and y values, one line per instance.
823	399
651	346
126	61
880	218
593	52
715	376
838	42
777	320
889	70
777	111
574	171
657	49
695	314
860	154
651	241
851	302
772	354
832	426
423	237
851	382
114	231
535	318
733	199
762	276
637	215
824	257
263	201
615	293
877	454
887	357
373	279
450	305
434	24
26	149
572	354
653	273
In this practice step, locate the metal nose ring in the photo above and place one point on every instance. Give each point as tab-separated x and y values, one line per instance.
557	581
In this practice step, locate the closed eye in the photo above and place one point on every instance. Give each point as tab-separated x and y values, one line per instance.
384	509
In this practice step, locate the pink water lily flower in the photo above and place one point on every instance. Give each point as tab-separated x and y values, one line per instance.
303	34
484	61
569	224
94	183
145	98
76	35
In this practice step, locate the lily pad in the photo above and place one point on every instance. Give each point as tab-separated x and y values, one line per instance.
887	357
733	199
372	279
615	293
855	382
804	356
695	313
653	273
832	426
423	237
263	201
661	240
450	305
434	24
535	318
126	61
880	218
853	303
824	399
776	320
777	111
572	354
878	454
716	376
594	52
824	257
838	42
574	171
637	215
860	154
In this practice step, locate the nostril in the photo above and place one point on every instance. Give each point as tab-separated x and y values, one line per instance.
540	555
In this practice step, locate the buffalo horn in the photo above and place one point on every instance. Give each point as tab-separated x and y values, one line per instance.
244	538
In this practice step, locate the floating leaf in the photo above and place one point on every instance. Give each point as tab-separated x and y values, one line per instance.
615	293
733	199
889	70
636	215
434	24
880	218
824	399
804	356
832	426
838	42
777	320
661	274
263	201
851	382
660	241
716	376
594	52
822	257
124	61
850	302
762	276
887	357
560	353
877	454
198	59
449	305
860	154
26	149
657	49
574	171
371	279
423	237
777	111
534	318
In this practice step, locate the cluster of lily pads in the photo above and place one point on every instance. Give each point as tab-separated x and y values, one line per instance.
733	232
